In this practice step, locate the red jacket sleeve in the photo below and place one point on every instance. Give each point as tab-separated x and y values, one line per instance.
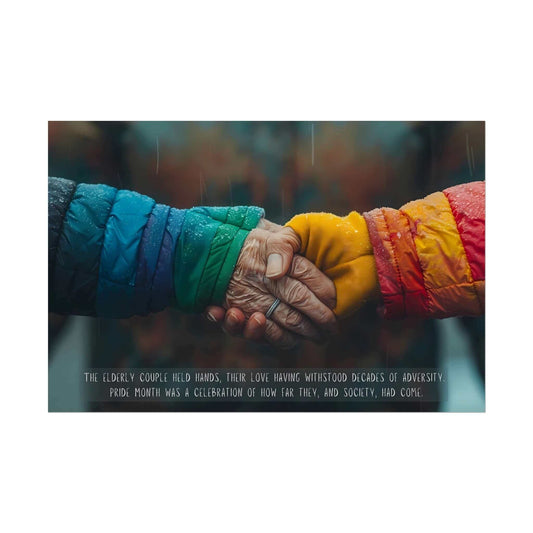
430	254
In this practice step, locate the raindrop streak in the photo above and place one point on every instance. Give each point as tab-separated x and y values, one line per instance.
230	192
203	188
157	161
312	145
468	156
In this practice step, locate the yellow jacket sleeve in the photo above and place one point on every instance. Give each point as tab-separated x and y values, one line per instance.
341	248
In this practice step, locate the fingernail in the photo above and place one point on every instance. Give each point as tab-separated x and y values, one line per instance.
211	317
274	265
231	320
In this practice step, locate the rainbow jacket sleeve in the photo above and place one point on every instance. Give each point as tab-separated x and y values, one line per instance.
116	253
430	254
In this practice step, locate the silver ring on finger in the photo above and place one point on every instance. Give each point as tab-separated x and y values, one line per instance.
272	308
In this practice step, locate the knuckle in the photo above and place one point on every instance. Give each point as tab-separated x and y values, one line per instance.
291	237
299	266
298	294
272	333
326	316
293	319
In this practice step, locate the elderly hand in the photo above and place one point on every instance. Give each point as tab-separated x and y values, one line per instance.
267	270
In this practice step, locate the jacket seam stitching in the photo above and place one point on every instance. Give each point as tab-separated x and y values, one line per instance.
62	226
222	223
396	266
103	241
426	299
239	228
156	269
454	211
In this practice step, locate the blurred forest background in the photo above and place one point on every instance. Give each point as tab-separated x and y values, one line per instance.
287	168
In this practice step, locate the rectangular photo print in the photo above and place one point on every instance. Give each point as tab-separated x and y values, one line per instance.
266	266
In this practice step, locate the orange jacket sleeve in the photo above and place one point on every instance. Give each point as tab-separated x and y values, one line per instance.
430	254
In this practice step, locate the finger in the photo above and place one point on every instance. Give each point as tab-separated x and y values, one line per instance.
303	270
268	225
255	327
279	337
297	295
279	250
291	319
215	314
234	321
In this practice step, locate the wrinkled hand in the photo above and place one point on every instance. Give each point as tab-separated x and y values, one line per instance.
268	269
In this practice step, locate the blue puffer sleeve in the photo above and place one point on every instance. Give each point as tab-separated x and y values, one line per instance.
110	252
116	253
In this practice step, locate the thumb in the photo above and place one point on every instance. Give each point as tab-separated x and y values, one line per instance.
280	248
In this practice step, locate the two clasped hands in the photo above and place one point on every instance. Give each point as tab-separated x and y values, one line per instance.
115	254
290	282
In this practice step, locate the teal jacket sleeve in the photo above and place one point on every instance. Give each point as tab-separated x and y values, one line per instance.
116	253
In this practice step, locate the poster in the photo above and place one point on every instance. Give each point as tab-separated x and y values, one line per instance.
151	224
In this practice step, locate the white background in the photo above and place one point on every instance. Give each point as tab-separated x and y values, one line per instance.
266	472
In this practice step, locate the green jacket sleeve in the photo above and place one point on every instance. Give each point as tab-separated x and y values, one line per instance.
207	252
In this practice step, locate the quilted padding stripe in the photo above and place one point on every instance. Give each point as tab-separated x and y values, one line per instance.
416	299
60	194
150	246
437	241
163	293
386	264
468	207
192	253
79	250
224	253
118	266
207	252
